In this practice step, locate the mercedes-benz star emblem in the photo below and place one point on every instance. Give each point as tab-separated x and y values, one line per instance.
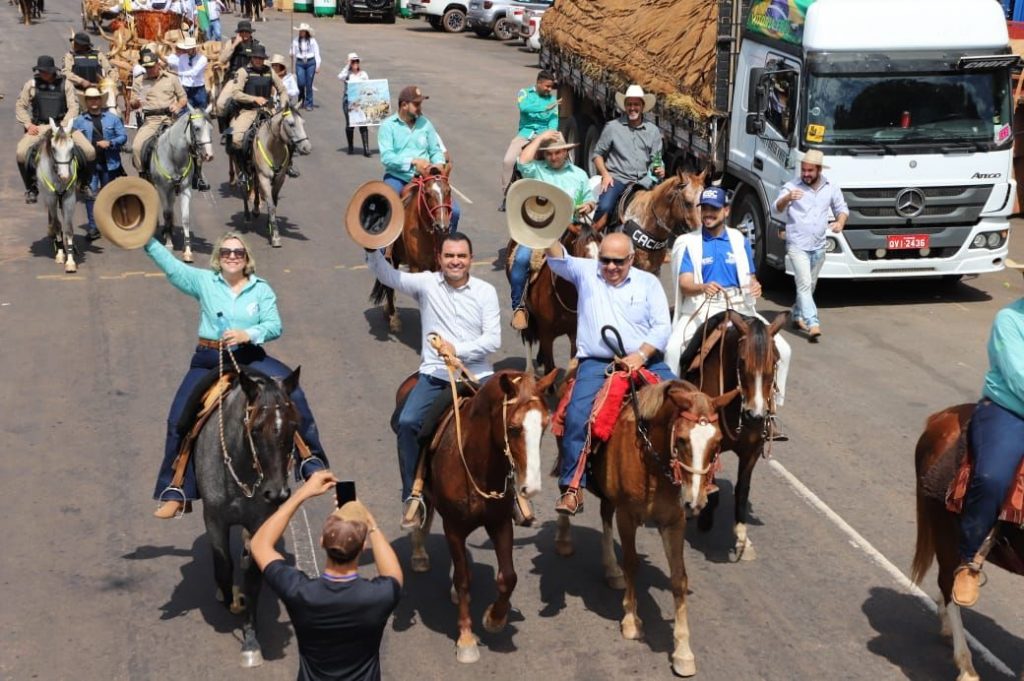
910	203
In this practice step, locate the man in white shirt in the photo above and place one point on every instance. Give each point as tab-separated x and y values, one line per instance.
191	69
463	310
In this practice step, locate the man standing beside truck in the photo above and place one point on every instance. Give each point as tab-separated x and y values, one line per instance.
538	112
629	148
806	204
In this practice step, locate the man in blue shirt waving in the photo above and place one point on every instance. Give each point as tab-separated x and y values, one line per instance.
409	145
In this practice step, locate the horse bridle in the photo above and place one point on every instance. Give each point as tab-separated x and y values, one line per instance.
72	163
421	182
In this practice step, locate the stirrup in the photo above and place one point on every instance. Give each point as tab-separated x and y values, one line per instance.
312	457
417	505
975	568
163	498
576	494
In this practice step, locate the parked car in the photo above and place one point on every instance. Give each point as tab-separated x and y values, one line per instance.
488	17
367	9
530	30
443	15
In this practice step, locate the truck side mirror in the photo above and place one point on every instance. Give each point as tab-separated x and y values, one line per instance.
755	124
757	97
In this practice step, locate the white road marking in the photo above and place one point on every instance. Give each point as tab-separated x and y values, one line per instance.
302	544
876	557
464	197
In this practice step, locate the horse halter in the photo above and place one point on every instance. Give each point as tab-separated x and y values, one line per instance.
287	113
193	142
72	163
675	460
422	183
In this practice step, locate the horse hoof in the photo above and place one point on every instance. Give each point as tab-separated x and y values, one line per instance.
237	601
187	256
491	625
275	240
251	658
617	582
421	563
467	653
632	628
565	548
744	552
684	666
70	267
59	258
395	324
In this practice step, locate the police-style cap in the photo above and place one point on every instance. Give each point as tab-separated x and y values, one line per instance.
83	39
45	64
257	52
715	197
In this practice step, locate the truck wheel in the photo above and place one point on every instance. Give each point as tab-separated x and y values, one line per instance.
590	137
570	130
482	32
435	23
746	216
389	18
454	20
349	15
504	29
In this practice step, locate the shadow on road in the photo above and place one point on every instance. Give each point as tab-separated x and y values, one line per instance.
908	636
408	336
838	293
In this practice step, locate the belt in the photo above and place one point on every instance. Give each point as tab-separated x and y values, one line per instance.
210	344
156	112
606	360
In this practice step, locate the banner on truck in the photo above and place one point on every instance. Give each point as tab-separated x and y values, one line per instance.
779	19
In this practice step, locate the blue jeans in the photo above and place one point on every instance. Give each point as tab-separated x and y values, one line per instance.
410	420
305	71
398	185
214	30
589	379
606	202
997	444
100	178
806	266
203	361
518	274
197	96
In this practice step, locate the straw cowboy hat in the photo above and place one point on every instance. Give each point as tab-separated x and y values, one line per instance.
557	143
92	92
305	27
815	158
537	213
126	212
375	215
634	92
278	59
187	43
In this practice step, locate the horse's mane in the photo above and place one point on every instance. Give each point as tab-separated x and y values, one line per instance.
650	399
757	351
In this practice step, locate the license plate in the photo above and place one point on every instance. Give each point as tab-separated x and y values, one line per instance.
902	242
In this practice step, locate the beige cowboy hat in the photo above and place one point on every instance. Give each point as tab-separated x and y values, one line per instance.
92	92
814	157
537	213
306	27
558	142
375	215
278	59
634	92
126	212
187	43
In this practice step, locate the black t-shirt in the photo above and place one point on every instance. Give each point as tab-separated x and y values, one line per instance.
338	624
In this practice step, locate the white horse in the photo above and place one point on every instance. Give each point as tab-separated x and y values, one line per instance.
177	157
57	168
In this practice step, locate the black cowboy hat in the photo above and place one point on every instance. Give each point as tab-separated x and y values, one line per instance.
45	64
244	25
82	39
257	51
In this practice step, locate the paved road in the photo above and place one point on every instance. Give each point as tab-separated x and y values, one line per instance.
94	588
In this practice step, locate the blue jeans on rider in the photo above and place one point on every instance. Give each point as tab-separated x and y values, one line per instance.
519	273
197	97
606	201
398	185
203	361
410	420
997	445
100	178
590	377
305	71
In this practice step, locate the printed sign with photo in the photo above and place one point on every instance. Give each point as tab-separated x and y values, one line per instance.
369	102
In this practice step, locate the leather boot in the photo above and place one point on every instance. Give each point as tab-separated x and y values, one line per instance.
570	503
31	189
520	320
172	508
199	182
413	513
967	585
365	135
348	137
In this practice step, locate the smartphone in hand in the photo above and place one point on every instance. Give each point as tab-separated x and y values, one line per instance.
345	491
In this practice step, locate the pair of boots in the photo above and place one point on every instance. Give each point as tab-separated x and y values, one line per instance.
364	134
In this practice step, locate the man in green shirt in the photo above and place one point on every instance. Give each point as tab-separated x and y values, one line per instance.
555	169
538	112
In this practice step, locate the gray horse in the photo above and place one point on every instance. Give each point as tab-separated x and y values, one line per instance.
56	175
177	157
277	138
242	458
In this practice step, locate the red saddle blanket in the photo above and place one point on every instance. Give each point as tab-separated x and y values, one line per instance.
607	404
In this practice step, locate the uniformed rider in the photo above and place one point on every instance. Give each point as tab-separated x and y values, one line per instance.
86	67
255	86
234	55
49	96
160	96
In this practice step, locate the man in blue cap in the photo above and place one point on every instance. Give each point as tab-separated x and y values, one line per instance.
716	272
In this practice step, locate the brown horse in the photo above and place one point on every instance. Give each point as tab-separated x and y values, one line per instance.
551	302
659	483
745	358
938	531
428	212
662	213
472	482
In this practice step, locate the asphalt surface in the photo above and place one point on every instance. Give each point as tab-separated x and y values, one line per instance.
95	588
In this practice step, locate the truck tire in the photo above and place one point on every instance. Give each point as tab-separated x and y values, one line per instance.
435	23
482	32
592	131
389	18
570	130
746	215
454	20
504	29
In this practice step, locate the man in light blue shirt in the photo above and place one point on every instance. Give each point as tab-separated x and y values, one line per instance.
409	145
807	204
611	293
538	111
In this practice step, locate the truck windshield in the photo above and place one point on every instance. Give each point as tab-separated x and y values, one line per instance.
901	109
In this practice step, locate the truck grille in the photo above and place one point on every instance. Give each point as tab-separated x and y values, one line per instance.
866	254
875	208
890	193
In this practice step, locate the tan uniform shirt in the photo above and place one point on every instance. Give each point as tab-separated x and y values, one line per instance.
23	107
243	75
78	81
161	92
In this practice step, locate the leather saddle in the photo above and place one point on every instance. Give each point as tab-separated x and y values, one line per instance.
437	417
148	148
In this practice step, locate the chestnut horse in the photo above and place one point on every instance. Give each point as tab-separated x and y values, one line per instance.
428	212
472	481
745	357
662	213
660	483
938	530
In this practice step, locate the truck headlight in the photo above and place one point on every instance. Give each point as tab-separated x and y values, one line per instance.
979	241
831	245
995	240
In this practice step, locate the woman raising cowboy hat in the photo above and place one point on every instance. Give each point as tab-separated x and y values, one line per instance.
235	306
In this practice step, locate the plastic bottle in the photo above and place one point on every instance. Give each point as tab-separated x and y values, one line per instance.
222	328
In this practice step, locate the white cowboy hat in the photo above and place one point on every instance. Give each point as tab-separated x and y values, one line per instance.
814	157
126	211
634	92
537	213
375	215
352	56
186	43
92	92
306	27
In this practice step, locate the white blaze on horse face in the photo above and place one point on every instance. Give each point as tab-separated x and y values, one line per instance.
533	429
701	436
592	250
435	189
758	407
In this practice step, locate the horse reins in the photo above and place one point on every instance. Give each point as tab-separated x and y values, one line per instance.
247	491
421	182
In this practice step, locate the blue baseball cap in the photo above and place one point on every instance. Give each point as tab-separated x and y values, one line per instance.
715	197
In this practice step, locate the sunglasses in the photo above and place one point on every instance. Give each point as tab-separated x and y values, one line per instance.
618	262
232	252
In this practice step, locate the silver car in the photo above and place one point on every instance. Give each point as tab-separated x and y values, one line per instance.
492	17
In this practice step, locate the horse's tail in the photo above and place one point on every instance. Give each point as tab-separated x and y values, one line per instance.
379	293
924	552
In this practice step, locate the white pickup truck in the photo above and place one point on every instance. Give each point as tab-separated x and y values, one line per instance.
443	15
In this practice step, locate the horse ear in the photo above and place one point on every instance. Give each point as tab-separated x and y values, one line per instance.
509	385
737	320
725	399
545	383
53	126
250	387
780	320
702	175
209	108
292	381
